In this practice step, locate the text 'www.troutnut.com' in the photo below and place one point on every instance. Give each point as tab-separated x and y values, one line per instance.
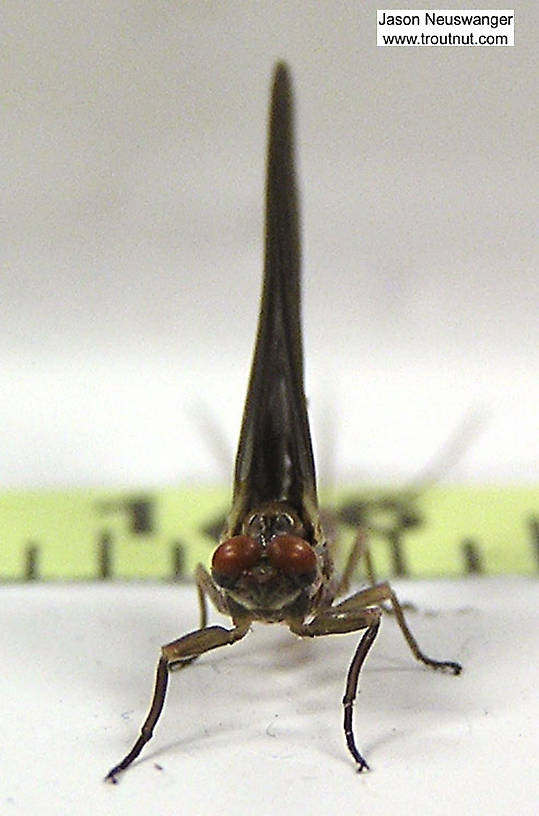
443	27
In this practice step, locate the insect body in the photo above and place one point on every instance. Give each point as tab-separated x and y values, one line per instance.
273	562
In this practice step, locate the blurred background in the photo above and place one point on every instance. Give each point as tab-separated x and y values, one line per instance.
132	164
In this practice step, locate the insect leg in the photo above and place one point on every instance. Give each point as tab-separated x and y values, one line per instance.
202	593
359	550
376	595
334	621
177	653
350	693
362	610
452	665
207	589
146	732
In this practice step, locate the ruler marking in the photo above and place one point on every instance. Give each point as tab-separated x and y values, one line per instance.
533	525
141	513
473	562
31	562
178	561
104	556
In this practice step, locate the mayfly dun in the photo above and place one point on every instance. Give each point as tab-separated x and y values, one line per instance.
273	562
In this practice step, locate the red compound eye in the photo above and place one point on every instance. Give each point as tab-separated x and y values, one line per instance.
294	556
234	556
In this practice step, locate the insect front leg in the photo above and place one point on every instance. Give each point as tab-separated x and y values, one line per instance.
207	589
177	654
335	621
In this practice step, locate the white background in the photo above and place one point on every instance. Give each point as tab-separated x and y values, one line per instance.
133	138
257	729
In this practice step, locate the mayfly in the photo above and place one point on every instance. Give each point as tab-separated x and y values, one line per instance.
273	562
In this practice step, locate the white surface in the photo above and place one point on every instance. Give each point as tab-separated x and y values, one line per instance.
257	728
132	161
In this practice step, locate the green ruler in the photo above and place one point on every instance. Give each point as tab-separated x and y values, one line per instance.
162	534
